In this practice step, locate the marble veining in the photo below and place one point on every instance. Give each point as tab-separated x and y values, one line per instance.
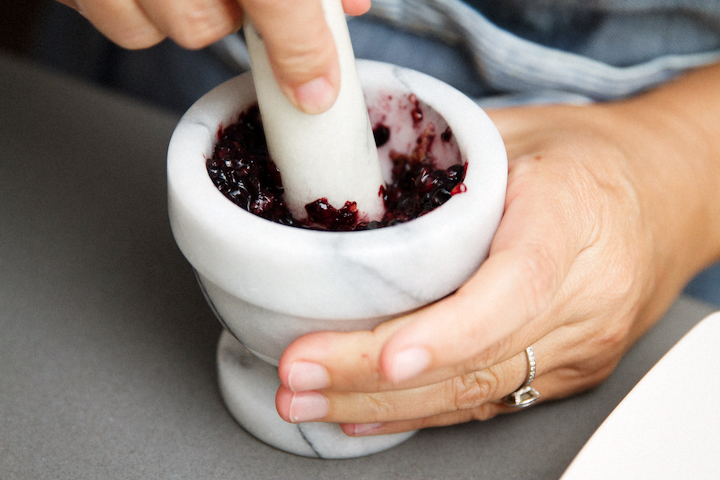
269	284
248	387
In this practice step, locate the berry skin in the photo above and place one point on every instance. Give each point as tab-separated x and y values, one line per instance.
241	168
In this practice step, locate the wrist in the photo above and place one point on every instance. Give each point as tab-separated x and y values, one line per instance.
672	140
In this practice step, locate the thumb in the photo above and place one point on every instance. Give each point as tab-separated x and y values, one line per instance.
300	49
529	260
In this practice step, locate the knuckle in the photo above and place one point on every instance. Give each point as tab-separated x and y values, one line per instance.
611	335
624	284
122	23
197	26
485	412
138	39
488	356
540	267
372	378
576	379
381	409
473	390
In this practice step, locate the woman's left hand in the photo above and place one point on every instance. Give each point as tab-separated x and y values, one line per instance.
602	228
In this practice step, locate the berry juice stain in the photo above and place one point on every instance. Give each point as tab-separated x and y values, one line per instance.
241	168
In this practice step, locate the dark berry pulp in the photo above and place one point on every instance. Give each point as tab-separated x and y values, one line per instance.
241	168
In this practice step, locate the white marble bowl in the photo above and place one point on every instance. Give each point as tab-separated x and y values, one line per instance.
270	283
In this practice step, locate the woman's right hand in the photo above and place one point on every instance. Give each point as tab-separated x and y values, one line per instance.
298	40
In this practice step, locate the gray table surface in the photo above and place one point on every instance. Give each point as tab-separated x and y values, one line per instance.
107	348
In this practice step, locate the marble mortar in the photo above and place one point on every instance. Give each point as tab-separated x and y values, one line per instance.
269	284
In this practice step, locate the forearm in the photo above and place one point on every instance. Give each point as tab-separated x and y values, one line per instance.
678	173
610	209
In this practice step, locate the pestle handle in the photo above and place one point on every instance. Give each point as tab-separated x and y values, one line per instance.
330	155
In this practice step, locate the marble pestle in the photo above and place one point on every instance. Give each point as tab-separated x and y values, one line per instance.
329	155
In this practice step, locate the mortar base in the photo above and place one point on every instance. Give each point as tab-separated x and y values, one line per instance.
248	387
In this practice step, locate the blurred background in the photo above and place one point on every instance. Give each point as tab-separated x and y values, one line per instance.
56	36
18	23
170	78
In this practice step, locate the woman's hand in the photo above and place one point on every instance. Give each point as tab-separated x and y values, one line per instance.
609	213
297	38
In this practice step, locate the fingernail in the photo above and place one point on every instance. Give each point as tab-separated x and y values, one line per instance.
307	376
409	363
308	406
365	428
315	96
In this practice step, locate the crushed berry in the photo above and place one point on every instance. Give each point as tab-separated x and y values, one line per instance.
381	133
241	168
446	136
320	212
416	113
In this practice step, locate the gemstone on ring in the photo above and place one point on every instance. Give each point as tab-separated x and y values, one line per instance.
525	395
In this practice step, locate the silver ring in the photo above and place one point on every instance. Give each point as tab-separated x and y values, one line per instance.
525	395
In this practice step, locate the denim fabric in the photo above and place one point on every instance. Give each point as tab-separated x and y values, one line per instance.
706	285
498	52
617	32
507	62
